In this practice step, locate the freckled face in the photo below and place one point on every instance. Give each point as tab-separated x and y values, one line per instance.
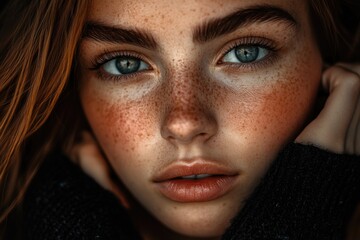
235	99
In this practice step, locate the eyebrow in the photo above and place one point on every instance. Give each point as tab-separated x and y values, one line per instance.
101	32
207	31
256	14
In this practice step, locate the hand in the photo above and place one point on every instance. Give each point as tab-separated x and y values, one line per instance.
337	127
88	156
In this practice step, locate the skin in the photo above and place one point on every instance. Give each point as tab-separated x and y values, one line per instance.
188	104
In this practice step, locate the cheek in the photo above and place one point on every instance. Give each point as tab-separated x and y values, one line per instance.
273	115
284	109
119	127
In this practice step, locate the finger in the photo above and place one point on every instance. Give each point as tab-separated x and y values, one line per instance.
351	137
344	88
329	129
357	141
86	139
353	145
357	130
92	162
351	67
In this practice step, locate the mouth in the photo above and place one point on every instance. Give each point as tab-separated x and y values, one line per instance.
195	182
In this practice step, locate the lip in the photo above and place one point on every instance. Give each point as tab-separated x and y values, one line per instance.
172	186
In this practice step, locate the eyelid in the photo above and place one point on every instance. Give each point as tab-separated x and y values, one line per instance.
247	41
107	56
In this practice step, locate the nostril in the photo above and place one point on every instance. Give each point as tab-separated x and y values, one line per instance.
186	130
184	123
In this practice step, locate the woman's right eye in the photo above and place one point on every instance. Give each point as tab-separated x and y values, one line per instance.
124	65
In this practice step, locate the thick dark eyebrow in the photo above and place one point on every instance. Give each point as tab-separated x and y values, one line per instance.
207	31
104	33
225	25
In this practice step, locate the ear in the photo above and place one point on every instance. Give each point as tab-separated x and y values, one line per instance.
87	155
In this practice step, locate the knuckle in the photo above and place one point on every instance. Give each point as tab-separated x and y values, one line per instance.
352	79
331	71
349	80
339	76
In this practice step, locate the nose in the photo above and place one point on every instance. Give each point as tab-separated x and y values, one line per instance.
188	117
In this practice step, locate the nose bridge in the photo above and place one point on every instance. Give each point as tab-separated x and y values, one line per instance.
187	116
186	103
184	92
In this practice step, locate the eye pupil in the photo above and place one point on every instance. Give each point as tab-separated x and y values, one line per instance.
126	65
247	54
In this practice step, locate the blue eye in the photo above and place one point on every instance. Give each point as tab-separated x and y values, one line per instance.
124	65
245	54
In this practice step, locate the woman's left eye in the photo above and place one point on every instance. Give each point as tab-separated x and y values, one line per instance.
124	65
245	54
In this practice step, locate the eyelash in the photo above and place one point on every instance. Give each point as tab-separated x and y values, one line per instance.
262	42
107	56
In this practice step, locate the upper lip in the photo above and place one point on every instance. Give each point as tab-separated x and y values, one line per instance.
194	166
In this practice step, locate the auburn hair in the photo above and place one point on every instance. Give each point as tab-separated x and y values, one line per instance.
39	109
38	44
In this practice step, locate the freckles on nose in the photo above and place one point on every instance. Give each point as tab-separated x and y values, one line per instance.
183	114
183	120
187	114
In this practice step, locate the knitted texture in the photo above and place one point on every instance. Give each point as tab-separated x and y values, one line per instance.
307	194
64	203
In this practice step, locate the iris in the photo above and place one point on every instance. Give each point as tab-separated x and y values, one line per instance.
126	65
247	54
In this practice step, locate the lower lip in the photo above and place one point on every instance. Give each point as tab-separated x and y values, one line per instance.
201	190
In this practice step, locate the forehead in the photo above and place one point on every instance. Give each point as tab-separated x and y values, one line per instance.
157	15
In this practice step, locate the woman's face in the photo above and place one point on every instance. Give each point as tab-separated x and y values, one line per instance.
207	89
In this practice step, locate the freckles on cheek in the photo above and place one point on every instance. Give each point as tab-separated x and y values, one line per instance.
119	127
273	115
285	109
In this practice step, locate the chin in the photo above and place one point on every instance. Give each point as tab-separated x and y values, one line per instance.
204	220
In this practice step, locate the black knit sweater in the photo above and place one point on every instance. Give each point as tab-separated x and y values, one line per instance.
307	193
